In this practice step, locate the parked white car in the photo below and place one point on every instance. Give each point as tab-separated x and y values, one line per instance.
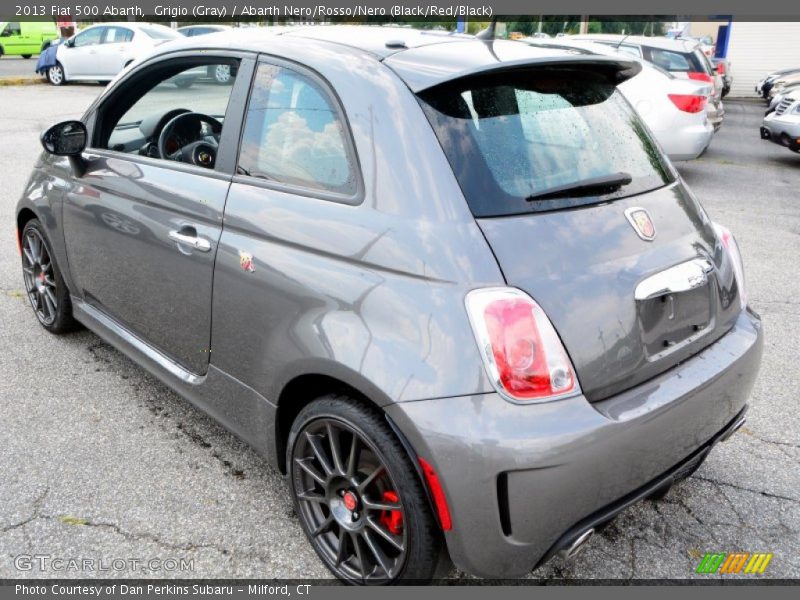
99	52
782	126
674	109
681	57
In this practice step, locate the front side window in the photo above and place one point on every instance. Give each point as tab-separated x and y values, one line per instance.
11	29
529	140
294	135
176	114
89	37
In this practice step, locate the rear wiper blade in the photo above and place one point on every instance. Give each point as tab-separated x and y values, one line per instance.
593	185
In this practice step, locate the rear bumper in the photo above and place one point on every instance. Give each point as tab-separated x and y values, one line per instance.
522	480
716	114
686	142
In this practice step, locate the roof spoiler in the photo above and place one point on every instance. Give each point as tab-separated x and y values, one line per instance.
617	69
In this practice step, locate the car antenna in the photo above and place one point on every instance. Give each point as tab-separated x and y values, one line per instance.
627	35
488	34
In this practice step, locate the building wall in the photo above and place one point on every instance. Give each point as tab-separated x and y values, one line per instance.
756	48
701	28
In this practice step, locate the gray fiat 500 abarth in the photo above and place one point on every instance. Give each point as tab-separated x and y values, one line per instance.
449	286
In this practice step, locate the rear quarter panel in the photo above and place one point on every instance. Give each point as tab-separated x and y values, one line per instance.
372	294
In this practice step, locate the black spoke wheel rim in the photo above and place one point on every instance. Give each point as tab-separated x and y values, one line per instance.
348	502
39	275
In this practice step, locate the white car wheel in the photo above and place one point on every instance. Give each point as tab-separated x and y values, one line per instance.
222	74
55	75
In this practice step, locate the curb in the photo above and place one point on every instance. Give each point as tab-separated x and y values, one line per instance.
5	81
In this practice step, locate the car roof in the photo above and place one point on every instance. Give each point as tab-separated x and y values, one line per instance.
664	43
422	58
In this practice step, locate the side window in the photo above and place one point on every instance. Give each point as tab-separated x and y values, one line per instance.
89	37
671	61
176	114
294	135
117	35
10	29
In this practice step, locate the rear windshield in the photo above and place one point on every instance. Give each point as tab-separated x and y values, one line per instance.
160	33
679	62
527	141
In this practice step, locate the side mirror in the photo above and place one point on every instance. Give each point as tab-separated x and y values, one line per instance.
65	139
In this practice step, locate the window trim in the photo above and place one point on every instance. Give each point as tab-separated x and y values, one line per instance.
335	101
234	115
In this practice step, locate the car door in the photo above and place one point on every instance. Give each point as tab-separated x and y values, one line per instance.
80	56
141	232
114	50
11	39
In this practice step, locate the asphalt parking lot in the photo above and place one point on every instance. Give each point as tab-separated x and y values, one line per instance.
98	460
16	66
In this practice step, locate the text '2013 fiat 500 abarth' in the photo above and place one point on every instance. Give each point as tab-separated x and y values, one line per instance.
452	287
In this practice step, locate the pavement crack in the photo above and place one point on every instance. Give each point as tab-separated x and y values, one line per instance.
744	489
35	515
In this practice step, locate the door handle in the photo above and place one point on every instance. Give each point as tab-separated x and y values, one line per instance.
190	239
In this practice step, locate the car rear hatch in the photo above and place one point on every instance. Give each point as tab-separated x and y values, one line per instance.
584	213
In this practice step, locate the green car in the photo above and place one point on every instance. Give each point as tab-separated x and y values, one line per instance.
26	38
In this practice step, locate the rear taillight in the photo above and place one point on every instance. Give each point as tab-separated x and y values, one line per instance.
700	76
705	78
689	103
732	249
519	346
721	68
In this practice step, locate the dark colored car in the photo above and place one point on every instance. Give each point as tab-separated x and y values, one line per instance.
450	287
764	86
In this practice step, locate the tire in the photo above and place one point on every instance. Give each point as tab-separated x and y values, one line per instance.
222	74
26	56
55	75
44	285
184	84
367	518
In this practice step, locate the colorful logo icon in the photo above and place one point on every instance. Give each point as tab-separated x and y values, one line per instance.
734	562
641	222
246	262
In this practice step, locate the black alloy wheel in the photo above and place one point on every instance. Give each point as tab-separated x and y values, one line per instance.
358	498
44	285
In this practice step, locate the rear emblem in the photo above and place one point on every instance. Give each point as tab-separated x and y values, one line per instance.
641	223
246	262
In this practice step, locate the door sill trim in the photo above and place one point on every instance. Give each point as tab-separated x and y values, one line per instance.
97	316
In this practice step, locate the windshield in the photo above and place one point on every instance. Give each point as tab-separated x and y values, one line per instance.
512	138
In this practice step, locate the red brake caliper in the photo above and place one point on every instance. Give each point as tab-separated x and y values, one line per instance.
392	519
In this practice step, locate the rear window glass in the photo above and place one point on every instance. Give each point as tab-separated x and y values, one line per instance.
679	62
528	141
160	33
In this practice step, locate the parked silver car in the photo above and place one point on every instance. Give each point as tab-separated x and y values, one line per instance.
449	286
782	125
674	109
681	57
